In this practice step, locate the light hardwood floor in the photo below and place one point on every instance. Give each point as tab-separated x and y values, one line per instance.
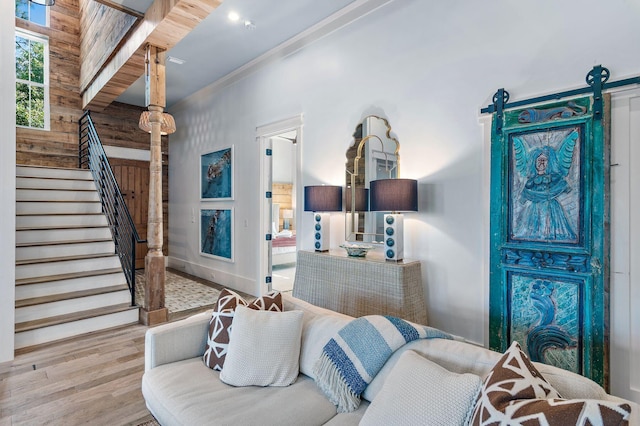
93	379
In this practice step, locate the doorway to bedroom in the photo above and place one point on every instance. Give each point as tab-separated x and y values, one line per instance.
280	195
284	227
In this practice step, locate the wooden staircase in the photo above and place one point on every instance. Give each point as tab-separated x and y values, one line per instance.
69	280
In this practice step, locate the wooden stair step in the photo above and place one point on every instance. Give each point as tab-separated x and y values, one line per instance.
58	202
56	215
44	228
56	189
83	179
71	295
27	170
62	259
76	316
45	279
35	166
59	214
61	243
43	208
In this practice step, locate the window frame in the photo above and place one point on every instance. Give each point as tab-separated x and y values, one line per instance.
39	38
46	14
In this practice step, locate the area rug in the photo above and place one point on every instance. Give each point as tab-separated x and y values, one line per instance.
183	294
150	423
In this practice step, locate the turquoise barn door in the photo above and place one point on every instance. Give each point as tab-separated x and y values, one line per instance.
549	258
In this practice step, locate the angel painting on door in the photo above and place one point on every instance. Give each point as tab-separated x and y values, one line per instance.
545	187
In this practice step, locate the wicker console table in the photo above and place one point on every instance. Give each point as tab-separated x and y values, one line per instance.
361	286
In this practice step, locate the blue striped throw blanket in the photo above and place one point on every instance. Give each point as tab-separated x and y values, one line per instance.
353	357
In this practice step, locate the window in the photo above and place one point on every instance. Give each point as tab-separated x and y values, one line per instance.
33	12
32	80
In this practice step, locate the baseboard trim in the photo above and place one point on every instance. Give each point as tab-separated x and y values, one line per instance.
223	278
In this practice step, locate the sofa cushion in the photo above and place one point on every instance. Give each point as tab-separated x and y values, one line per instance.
352	418
222	320
463	357
264	349
319	325
188	393
419	391
515	392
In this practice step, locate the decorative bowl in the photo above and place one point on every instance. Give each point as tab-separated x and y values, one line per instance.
356	250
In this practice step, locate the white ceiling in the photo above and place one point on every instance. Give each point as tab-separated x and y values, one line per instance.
217	46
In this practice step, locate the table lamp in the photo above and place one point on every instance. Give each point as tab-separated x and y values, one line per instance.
394	196
321	199
287	215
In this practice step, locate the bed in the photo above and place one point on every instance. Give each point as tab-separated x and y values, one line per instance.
283	247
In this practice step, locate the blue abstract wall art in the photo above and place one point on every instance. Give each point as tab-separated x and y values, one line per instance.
216	233
216	175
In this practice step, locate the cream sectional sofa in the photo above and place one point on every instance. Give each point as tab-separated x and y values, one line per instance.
180	390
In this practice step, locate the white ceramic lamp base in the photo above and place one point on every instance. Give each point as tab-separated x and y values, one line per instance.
321	231
393	237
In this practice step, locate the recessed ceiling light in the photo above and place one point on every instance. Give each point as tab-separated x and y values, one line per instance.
176	60
233	16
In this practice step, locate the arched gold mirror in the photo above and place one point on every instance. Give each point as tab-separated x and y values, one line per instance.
374	154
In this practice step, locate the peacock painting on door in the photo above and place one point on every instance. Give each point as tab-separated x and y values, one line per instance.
549	235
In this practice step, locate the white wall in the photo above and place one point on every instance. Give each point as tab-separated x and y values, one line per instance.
428	67
7	179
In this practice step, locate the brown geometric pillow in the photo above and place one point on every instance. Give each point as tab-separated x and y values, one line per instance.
222	320
515	392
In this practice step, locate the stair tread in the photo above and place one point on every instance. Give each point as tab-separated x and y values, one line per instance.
56	189
63	259
58	201
79	179
60	214
52	179
44	228
70	295
61	243
35	166
65	169
76	316
49	278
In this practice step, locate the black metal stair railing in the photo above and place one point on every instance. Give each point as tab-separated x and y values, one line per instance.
125	236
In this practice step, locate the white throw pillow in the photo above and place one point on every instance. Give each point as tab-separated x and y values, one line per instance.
420	392
264	348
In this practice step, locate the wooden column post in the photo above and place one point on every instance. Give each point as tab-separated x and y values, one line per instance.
154	310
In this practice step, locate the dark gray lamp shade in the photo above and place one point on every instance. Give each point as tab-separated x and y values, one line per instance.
322	198
44	2
394	195
362	199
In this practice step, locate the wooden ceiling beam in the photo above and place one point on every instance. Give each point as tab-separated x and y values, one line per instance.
121	8
165	23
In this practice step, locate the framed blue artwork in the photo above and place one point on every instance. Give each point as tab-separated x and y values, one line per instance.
216	175
216	233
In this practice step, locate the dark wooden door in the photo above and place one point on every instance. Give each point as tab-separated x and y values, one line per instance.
133	180
549	235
